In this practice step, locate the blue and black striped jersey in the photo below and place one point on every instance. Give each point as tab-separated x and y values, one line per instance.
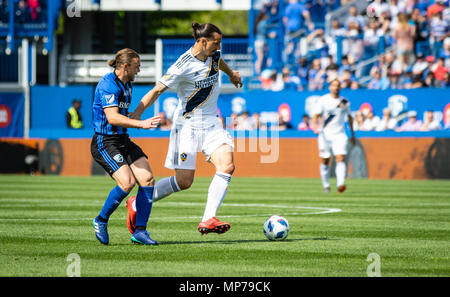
110	92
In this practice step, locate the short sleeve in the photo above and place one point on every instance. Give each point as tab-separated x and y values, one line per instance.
109	98
177	72
347	107
318	109
172	77
107	93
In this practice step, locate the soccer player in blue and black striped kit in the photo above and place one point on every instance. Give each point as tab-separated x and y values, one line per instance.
112	148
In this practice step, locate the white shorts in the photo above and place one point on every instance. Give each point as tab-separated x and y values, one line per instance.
186	142
332	145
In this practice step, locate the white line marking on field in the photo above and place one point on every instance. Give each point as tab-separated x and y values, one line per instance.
319	210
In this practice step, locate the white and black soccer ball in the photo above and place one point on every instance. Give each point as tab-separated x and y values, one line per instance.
276	228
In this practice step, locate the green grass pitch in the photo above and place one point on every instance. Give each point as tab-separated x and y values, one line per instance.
44	219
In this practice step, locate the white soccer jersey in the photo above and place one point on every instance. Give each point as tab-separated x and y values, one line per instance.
197	87
334	113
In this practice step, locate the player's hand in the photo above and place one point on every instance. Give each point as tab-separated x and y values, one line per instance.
151	122
235	79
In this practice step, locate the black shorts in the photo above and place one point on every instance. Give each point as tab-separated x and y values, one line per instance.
113	151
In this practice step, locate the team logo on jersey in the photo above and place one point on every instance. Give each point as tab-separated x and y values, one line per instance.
166	76
109	98
343	103
118	158
183	156
215	66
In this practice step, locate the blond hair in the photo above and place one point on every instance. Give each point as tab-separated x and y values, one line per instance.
124	56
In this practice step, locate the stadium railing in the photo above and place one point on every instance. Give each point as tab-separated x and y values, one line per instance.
90	68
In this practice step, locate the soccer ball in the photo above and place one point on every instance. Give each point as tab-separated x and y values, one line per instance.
276	228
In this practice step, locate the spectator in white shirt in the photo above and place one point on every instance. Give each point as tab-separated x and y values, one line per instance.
358	121
386	122
371	121
429	123
244	122
420	65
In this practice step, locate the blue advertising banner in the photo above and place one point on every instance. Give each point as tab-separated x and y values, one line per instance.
11	114
295	104
49	105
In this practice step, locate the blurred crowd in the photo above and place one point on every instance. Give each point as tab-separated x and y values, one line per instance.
25	11
363	120
367	121
404	44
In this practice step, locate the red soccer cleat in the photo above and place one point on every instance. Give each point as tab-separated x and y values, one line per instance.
341	189
131	214
213	225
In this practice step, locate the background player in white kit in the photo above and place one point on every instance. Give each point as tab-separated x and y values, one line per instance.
196	124
332	140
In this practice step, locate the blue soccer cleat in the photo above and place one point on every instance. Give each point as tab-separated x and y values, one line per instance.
101	231
142	237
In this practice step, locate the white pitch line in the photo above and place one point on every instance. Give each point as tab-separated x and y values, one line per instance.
321	210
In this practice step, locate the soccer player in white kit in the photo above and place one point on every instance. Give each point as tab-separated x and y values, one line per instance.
332	140
196	124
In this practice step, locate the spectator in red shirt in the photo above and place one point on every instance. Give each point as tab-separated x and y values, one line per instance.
33	6
439	70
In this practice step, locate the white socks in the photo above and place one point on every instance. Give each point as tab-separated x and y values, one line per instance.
164	187
216	193
325	175
341	169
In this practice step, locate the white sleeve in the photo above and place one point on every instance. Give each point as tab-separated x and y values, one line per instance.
347	108
173	76
318	109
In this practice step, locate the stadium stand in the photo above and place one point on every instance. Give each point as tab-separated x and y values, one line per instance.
379	42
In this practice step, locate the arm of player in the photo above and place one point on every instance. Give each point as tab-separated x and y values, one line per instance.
350	123
234	76
148	100
315	124
116	119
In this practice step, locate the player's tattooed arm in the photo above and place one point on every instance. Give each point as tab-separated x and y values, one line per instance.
148	100
315	123
350	123
234	76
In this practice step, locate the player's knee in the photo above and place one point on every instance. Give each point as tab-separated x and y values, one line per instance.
147	181
127	184
185	183
229	168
